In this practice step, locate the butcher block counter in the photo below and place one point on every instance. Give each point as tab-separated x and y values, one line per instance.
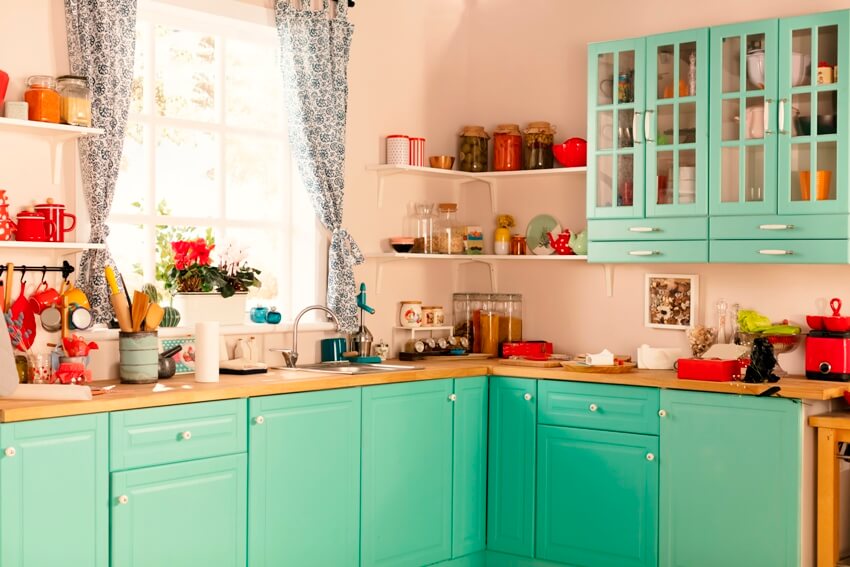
183	389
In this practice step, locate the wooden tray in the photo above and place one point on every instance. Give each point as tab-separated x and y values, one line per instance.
532	363
613	369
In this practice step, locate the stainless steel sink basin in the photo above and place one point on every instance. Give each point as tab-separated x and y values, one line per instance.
345	367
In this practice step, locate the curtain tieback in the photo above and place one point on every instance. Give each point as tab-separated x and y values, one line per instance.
341	241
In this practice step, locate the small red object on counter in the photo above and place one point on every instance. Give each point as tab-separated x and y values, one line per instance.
711	370
533	350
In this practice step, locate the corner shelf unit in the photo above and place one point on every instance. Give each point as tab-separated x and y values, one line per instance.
54	134
491	178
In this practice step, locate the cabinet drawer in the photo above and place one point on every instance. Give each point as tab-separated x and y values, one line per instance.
780	251
770	227
155	436
632	409
646	252
648	229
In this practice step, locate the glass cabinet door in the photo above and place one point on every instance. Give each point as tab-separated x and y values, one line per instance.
676	124
812	113
615	129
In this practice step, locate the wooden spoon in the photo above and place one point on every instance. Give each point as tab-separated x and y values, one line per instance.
153	317
140	308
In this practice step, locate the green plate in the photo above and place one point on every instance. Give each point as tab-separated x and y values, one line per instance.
537	234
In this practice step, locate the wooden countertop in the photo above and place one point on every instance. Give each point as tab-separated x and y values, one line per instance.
183	389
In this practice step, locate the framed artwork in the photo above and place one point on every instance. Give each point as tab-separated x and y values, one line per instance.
671	301
185	359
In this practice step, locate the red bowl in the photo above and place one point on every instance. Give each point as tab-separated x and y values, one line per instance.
815	322
572	153
837	324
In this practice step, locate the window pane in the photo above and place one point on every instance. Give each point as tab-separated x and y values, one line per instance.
186	171
185	73
267	253
129	246
131	188
254	86
254	178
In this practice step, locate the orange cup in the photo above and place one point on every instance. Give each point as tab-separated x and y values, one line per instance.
823	179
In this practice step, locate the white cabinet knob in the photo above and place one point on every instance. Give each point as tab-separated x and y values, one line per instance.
123	499
650	457
452	397
10	452
259	420
527	397
662	413
186	435
593	407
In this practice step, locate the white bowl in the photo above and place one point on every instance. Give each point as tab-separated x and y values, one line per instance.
755	67
799	63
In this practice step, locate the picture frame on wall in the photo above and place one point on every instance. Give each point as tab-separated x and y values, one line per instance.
671	300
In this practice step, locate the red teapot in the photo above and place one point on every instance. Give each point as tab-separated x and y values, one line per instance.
561	244
32	227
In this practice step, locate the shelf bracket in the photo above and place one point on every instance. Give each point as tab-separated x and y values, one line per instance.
379	272
382	175
490	265
491	185
609	279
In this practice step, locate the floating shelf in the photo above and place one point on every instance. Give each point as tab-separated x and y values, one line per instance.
61	248
54	134
491	178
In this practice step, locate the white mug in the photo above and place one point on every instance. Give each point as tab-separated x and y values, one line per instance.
755	122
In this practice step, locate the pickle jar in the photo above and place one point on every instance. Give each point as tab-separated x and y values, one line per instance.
42	99
507	148
74	100
472	149
537	146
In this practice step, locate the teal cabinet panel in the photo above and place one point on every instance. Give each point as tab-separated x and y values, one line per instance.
406	500
470	466
598	406
730	480
780	251
689	251
170	434
597	497
54	489
304	479
638	230
813	135
781	227
181	515
511	465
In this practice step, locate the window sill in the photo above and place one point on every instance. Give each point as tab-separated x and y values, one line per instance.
225	330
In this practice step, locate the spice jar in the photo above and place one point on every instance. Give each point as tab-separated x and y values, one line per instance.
432	316
448	235
42	99
518	246
537	146
472	149
507	148
74	100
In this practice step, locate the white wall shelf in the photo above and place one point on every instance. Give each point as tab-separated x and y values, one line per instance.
491	178
413	331
54	134
60	248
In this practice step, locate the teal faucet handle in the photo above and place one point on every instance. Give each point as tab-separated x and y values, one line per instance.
361	300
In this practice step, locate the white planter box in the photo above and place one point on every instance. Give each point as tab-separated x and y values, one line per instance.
197	307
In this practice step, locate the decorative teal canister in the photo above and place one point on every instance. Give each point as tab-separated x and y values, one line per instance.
138	355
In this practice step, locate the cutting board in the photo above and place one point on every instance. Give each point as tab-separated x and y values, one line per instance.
614	369
532	363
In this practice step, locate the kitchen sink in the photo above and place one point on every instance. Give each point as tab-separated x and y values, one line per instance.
345	367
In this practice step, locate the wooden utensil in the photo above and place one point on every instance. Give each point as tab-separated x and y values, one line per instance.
139	310
10	269
153	317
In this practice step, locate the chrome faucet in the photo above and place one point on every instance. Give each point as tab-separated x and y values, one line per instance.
290	357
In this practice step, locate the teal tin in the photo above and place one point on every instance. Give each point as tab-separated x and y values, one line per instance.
138	357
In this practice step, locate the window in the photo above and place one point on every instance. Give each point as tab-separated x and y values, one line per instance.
207	153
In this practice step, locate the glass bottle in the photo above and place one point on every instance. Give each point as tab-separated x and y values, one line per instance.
721	321
448	235
537	146
462	315
42	99
507	148
472	149
74	100
424	242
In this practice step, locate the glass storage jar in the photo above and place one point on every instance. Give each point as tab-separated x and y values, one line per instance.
510	322
424	241
537	146
489	321
42	99
448	235
507	148
472	149
462	315
74	100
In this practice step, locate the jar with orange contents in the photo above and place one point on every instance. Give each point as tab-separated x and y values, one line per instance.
42	99
507	148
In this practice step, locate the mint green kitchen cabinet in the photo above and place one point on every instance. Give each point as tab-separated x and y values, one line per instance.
54	490
181	515
304	479
730	480
406	473
597	497
469	489
511	466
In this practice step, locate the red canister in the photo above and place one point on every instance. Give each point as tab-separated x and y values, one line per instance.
32	227
55	213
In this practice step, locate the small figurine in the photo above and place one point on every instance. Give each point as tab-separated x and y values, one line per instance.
763	362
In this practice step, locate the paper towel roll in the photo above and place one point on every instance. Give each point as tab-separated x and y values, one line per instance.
206	351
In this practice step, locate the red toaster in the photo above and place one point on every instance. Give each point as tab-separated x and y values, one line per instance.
828	356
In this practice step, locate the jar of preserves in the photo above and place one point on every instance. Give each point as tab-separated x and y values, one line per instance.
448	235
472	149
507	148
537	146
518	245
74	100
42	99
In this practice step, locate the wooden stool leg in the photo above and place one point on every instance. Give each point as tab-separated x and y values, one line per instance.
827	503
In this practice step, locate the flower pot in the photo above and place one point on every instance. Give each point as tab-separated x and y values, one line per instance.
197	306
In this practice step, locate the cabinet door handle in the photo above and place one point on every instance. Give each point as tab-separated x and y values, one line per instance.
593	407
643	253
647	126
186	435
10	452
635	126
767	113
643	229
776	226
452	397
259	420
782	129
662	413
527	397
123	499
770	252
650	457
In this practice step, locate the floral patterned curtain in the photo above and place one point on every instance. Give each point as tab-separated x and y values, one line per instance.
101	46
314	48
